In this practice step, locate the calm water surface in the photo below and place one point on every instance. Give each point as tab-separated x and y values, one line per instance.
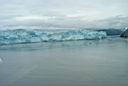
74	63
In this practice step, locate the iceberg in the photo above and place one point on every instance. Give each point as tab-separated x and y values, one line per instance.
124	34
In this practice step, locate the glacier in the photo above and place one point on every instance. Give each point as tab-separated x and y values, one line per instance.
20	36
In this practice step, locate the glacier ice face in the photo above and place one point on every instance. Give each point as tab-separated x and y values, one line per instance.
32	36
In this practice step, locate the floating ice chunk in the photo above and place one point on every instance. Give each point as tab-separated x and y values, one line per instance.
1	60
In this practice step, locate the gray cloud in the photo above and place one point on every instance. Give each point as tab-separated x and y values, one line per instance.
68	22
64	13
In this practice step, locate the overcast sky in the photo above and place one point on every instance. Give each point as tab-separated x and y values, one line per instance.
64	13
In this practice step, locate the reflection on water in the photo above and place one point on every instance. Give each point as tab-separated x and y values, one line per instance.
48	45
73	63
66	44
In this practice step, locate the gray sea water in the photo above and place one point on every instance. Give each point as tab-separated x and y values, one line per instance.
72	63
